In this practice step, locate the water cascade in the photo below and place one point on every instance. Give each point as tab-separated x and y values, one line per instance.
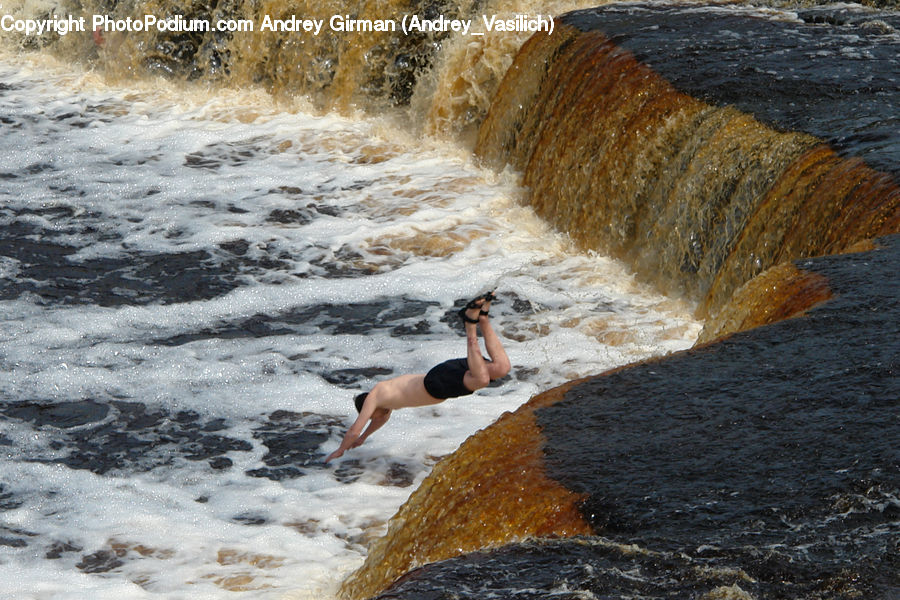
698	198
643	159
326	56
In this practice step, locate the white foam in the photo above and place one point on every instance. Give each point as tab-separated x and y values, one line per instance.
126	171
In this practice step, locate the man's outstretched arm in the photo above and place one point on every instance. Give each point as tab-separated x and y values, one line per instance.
353	434
378	419
349	438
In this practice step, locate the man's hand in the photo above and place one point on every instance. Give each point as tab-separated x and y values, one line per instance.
346	443
351	440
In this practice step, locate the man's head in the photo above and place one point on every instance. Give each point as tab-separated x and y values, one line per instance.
359	400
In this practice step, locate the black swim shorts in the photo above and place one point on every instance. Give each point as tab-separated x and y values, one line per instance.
446	379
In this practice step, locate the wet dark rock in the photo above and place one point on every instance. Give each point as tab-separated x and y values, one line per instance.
579	568
524	374
567	569
351	377
349	471
288	190
250	519
355	318
57	549
101	561
220	463
47	269
523	306
293	441
62	414
186	416
238	247
214	425
287	448
8	501
252	327
232	154
398	475
291	216
325	209
419	328
122	435
136	416
277	474
212	447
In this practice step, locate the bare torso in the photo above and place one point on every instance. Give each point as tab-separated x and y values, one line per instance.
404	391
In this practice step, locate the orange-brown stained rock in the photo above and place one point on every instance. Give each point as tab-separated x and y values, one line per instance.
782	292
492	491
822	204
778	293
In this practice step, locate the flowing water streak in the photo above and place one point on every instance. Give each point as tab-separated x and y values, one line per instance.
191	285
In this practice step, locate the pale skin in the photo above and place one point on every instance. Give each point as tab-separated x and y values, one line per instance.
409	390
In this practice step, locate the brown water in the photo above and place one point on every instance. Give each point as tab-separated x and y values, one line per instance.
698	196
701	145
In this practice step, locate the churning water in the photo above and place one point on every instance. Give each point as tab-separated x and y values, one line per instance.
193	286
